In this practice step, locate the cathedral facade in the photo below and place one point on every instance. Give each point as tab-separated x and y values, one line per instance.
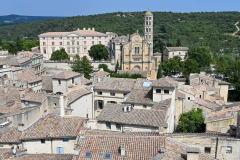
135	52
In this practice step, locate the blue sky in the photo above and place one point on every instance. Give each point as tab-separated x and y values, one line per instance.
86	7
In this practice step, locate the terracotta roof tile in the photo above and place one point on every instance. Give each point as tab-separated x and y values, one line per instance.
53	126
66	75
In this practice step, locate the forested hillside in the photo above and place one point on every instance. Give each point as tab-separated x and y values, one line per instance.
192	29
16	19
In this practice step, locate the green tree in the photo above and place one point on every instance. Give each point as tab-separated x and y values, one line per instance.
190	66
28	44
59	55
10	46
98	52
178	43
104	67
172	66
191	122
82	66
202	55
159	73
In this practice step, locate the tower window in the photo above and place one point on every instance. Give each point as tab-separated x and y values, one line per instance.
137	50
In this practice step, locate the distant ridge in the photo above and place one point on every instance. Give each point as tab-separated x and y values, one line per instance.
16	19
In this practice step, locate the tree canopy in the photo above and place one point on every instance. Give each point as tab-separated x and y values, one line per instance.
59	55
83	66
172	66
202	55
191	122
99	52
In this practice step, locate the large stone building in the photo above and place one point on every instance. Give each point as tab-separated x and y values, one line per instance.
135	52
75	42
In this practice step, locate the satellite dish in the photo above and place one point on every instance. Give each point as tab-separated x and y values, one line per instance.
147	84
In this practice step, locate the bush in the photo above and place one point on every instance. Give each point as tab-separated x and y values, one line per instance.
191	122
59	55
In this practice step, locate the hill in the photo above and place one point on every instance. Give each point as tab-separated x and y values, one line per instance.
16	19
192	29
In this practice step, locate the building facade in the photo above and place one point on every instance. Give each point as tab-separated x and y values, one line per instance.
77	42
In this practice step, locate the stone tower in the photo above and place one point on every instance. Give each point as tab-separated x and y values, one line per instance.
148	30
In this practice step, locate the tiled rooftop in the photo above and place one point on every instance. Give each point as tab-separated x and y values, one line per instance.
66	75
165	82
115	84
142	117
43	157
53	126
10	135
138	147
28	76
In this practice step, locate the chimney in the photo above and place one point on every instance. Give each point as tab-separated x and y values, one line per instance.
89	29
93	29
84	29
122	150
61	104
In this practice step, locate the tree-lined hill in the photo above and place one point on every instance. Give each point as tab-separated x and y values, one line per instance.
16	19
192	29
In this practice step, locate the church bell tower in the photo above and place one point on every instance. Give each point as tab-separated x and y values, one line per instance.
148	30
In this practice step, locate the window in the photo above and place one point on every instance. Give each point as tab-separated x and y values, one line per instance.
42	140
78	50
112	94
88	154
144	106
73	42
53	43
68	50
52	37
108	125
65	139
207	149
229	149
100	42
85	42
44	50
77	42
60	150
166	91
118	126
60	37
84	37
188	98
200	96
73	50
85	49
92	42
107	156
158	90
59	81
136	50
99	93
72	80
68	43
44	43
53	49
60	43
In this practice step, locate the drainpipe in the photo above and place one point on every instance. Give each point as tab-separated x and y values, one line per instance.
51	146
216	148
